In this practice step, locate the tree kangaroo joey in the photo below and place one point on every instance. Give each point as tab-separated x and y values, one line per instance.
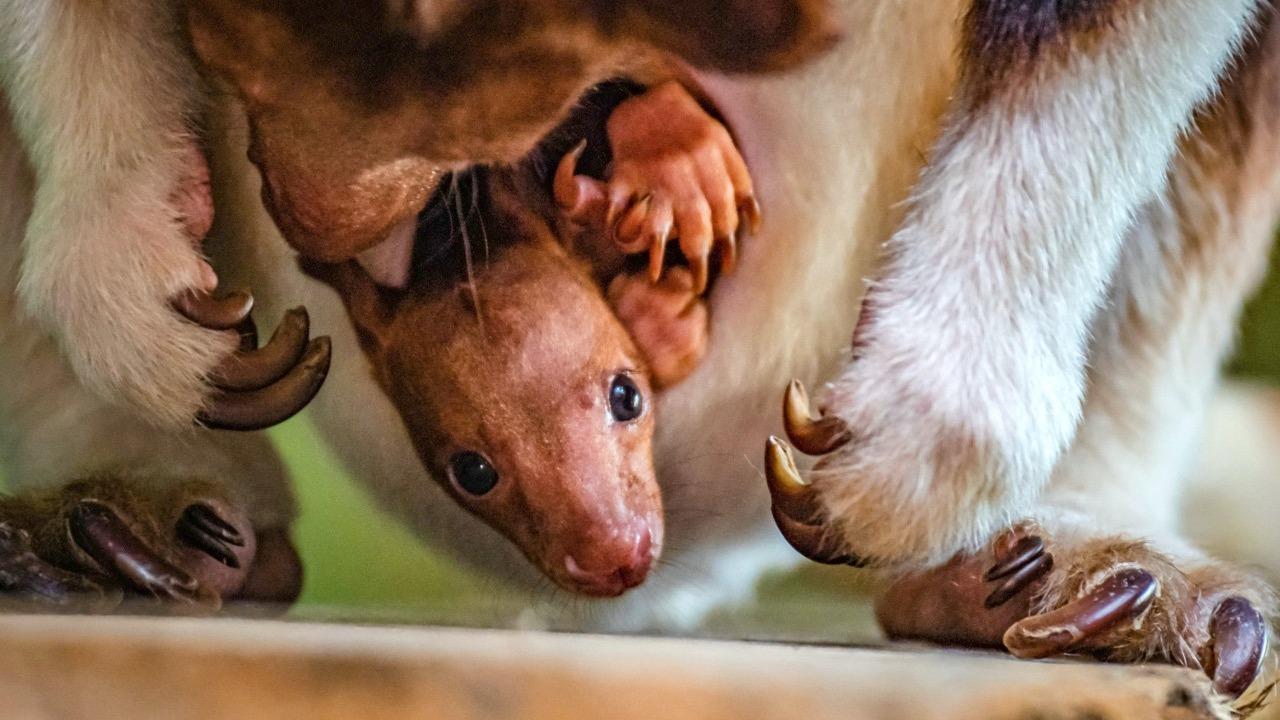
526	394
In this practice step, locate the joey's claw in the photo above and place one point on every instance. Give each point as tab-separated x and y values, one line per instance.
796	510
811	436
1122	596
658	253
628	230
108	540
1238	643
258	368
750	209
214	313
275	403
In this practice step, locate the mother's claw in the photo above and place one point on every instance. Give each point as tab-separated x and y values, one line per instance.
797	512
810	435
275	403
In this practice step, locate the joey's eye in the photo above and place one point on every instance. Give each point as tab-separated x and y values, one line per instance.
626	402
473	472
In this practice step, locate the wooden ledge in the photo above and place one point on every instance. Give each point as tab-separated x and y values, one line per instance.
67	668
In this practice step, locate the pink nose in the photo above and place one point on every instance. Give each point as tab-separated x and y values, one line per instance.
604	574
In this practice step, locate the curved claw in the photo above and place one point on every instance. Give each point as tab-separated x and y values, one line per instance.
1238	635
275	403
1122	596
795	507
750	209
104	536
256	369
214	313
812	436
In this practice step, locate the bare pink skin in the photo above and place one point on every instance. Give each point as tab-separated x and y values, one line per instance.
676	176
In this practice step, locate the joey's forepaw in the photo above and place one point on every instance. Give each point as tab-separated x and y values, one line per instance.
676	175
92	544
667	320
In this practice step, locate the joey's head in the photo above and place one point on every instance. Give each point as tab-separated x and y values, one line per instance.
525	399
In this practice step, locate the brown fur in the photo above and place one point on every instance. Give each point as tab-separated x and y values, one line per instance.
354	116
514	360
1006	40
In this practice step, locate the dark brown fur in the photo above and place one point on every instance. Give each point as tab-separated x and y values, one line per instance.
355	113
1006	40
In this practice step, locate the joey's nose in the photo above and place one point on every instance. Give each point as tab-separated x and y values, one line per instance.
611	570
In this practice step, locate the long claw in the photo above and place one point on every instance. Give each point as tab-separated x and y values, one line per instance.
1238	634
701	267
1122	596
271	405
259	368
215	313
811	436
627	230
103	535
795	507
658	254
565	185
1019	579
729	256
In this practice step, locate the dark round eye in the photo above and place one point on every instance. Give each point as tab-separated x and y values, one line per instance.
473	472
626	402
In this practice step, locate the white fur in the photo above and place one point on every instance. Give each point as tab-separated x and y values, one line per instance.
101	94
970	379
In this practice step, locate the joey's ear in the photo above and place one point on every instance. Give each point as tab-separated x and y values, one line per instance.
765	35
370	307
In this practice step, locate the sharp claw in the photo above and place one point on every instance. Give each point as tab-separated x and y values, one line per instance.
658	254
1024	551
750	209
201	528
103	535
628	225
795	507
701	273
271	405
729	257
1122	596
1238	635
205	310
811	436
565	186
259	368
1020	579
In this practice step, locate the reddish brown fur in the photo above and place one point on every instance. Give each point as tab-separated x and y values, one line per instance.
355	112
517	366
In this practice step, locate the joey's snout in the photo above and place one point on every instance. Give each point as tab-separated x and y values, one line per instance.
610	566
